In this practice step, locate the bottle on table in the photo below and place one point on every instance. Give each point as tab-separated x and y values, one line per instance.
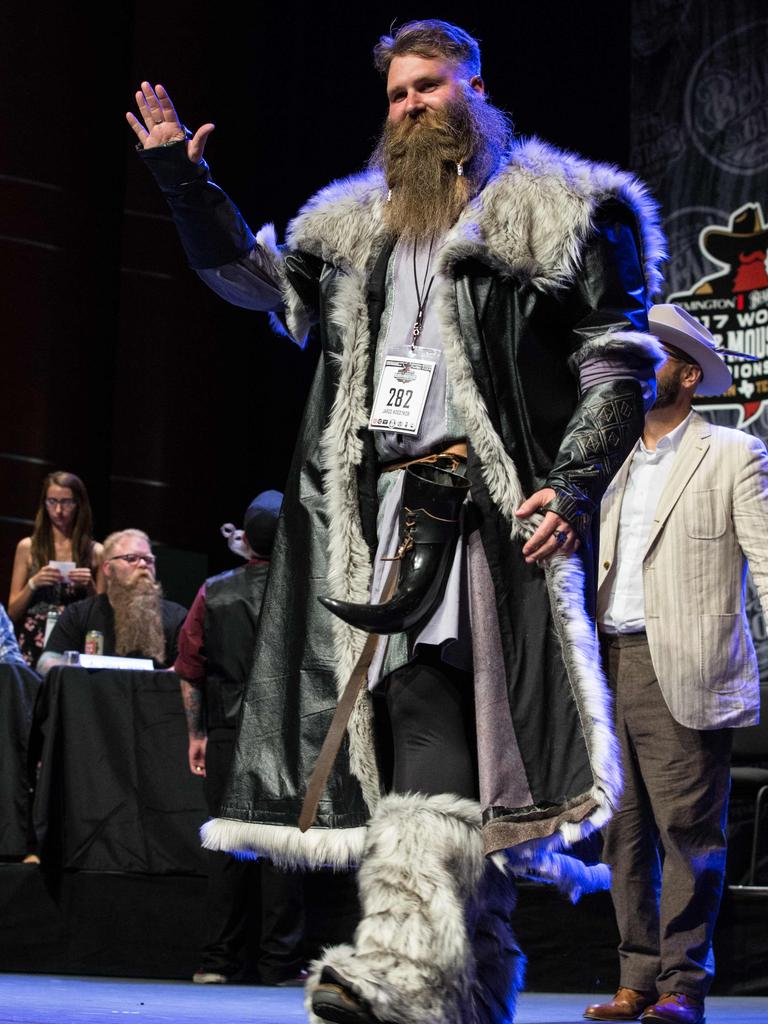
94	642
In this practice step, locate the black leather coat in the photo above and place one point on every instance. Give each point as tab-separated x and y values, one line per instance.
232	605
521	309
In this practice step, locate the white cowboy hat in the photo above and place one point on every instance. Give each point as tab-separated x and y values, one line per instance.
674	325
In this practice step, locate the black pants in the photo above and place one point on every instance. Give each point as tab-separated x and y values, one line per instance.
431	715
236	887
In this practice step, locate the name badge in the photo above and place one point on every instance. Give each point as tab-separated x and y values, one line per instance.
402	394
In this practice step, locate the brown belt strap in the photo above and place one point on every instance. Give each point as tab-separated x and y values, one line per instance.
458	451
335	735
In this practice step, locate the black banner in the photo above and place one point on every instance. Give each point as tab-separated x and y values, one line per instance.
700	140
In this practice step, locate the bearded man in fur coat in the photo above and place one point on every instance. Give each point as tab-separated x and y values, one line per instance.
514	279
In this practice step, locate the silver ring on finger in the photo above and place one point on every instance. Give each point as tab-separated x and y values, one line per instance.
560	537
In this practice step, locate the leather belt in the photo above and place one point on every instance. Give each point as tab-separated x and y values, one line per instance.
458	452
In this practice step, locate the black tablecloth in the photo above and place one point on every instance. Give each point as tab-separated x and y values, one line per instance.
19	687
114	792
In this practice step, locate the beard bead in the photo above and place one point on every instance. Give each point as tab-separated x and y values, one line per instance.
460	169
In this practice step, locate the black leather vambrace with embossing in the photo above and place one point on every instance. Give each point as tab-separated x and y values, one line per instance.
599	436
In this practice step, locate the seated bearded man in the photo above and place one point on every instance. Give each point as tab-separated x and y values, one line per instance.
133	617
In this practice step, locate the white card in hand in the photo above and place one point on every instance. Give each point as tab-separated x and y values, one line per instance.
63	567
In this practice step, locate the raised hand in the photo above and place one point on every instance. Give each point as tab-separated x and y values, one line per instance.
161	123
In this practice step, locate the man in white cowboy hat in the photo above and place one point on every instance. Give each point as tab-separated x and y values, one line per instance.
684	515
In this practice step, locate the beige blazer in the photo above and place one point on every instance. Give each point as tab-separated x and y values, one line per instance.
712	518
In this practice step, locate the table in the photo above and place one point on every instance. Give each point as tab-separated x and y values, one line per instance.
114	791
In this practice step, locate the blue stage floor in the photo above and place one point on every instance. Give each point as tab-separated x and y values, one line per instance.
41	999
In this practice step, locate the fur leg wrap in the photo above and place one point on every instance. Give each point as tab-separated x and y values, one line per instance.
428	897
499	962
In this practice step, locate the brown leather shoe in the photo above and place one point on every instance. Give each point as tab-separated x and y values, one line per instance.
627	1004
675	1008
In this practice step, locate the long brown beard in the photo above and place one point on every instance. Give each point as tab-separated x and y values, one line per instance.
138	617
419	158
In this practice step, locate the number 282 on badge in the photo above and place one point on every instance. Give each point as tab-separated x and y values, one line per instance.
401	394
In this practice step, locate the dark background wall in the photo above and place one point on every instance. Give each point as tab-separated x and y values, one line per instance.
117	363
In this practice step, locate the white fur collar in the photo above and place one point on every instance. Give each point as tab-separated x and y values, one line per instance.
529	222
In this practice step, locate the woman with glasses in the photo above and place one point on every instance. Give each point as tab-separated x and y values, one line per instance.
62	533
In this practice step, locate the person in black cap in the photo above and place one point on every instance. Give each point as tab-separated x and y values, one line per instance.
215	654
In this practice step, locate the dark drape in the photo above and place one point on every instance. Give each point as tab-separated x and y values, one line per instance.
19	687
115	792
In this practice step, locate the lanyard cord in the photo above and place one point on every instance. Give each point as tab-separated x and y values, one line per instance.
421	299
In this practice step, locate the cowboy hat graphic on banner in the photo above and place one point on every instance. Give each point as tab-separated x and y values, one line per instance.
732	302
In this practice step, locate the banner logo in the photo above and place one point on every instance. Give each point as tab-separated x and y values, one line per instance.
726	101
733	303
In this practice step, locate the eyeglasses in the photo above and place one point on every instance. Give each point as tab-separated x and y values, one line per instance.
61	502
134	559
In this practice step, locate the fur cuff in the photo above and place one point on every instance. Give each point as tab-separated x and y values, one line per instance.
295	320
571	876
633	347
284	845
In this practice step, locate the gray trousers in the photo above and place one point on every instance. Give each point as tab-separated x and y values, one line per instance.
666	845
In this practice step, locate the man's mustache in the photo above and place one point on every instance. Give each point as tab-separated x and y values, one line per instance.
437	120
141	579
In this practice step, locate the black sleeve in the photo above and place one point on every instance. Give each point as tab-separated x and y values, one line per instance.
174	616
609	299
211	228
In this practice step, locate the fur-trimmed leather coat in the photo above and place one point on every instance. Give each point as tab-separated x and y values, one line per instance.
551	265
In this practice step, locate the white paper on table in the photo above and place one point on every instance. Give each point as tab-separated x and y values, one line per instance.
111	661
63	567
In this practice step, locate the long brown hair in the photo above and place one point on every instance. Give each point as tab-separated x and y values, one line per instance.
43	548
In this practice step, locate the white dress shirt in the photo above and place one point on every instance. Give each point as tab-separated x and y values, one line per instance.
621	610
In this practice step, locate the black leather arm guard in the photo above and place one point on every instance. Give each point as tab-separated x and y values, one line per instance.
608	306
599	436
211	228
